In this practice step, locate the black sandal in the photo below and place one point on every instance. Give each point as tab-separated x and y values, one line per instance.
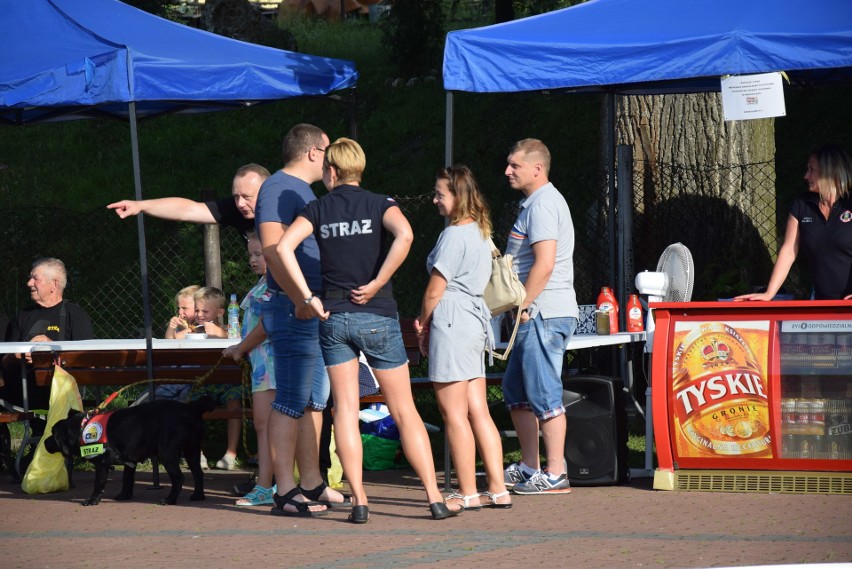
360	515
302	510
440	511
317	492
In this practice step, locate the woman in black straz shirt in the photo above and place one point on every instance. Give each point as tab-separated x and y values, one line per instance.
359	314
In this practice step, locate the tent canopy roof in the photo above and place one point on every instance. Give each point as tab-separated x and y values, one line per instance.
653	46
72	59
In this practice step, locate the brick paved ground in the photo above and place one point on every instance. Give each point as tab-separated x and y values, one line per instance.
613	526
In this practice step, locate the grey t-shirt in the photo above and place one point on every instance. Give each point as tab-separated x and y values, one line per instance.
545	216
463	256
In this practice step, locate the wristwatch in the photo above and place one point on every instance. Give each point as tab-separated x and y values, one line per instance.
309	300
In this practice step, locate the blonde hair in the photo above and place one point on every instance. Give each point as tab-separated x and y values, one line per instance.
469	200
186	292
534	150
348	159
210	294
835	171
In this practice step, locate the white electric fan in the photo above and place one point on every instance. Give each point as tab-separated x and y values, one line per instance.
671	282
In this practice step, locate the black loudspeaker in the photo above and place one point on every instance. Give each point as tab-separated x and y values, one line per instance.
596	440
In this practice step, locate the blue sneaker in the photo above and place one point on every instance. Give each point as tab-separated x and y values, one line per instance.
541	483
514	474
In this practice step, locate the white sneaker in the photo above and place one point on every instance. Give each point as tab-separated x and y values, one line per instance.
227	462
204	464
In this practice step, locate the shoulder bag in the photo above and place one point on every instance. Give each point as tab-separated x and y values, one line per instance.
504	292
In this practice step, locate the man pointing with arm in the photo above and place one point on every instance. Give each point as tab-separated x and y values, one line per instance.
236	212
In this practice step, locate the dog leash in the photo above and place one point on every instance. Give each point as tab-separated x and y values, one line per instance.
245	366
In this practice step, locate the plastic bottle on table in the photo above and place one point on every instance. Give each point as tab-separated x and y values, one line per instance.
234	318
607	303
634	314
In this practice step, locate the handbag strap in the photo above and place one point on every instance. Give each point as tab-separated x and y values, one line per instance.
505	355
495	252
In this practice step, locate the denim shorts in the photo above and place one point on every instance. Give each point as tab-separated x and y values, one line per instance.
533	377
345	334
300	378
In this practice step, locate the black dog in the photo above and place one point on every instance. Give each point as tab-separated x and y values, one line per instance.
162	428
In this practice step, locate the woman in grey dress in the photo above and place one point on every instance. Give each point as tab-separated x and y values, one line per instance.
453	328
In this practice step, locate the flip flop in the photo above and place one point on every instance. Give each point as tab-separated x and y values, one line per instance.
302	510
317	492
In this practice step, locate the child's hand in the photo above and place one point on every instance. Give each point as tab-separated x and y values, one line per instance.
213	330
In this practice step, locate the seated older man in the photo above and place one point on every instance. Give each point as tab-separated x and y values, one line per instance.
50	318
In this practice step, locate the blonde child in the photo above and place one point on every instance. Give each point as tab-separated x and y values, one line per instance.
209	310
184	323
255	344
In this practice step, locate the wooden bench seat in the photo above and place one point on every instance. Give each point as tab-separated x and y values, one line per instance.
123	367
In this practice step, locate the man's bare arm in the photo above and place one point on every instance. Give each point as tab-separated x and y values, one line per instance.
175	209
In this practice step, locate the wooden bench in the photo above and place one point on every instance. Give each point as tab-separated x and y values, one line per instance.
117	368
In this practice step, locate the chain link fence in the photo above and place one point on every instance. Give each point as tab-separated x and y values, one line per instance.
722	215
727	217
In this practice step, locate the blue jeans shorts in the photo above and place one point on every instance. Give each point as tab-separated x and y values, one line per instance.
533	377
300	378
345	334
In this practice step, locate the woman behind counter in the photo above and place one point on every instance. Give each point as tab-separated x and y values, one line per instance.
357	312
820	225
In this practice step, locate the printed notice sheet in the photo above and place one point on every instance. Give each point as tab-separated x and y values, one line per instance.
753	96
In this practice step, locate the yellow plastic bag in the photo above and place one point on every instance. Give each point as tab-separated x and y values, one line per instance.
46	473
335	471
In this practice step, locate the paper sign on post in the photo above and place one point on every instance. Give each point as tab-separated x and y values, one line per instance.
753	96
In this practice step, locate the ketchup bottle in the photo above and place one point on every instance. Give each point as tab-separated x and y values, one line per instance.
634	314
607	302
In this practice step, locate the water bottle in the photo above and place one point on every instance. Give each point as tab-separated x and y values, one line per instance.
234	318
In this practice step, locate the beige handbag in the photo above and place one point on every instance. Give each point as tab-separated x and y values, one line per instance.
504	292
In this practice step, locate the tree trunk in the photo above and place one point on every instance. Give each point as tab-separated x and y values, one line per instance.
705	182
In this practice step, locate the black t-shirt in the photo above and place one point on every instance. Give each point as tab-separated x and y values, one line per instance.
35	320
225	213
825	246
348	229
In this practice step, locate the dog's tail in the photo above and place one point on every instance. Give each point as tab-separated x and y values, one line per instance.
203	404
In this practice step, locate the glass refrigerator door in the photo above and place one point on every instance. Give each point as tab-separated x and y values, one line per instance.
816	389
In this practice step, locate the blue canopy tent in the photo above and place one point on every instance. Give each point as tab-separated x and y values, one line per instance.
624	47
653	46
66	59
